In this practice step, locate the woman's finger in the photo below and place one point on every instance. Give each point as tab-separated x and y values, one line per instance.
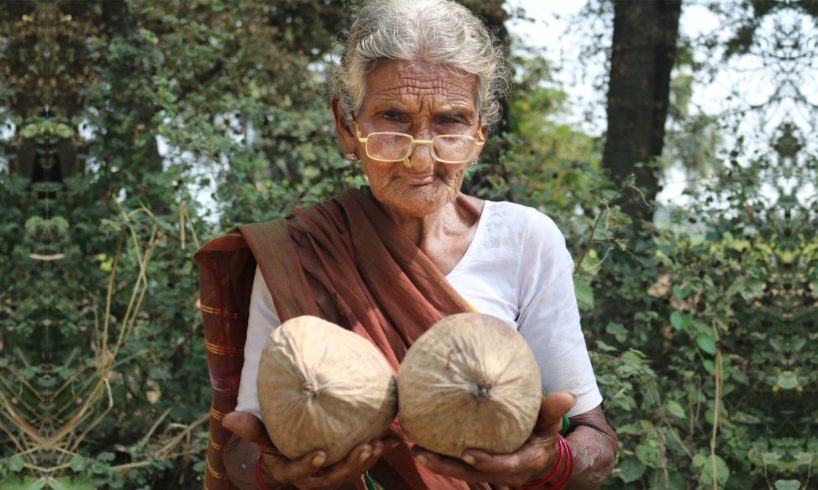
287	471
447	466
356	462
552	409
360	459
529	458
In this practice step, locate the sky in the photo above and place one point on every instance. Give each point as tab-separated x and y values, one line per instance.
549	29
738	83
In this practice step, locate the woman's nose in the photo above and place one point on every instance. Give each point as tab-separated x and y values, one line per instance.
421	157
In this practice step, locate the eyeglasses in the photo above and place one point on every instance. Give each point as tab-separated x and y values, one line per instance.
396	147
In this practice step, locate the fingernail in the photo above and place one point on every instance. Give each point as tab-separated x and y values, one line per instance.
394	445
365	455
468	458
318	460
421	459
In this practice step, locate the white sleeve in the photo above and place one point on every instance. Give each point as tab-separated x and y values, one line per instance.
549	316
260	324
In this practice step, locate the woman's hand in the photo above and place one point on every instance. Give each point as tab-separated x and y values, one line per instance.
533	461
306	471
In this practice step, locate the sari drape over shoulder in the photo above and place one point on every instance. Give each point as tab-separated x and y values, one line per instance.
343	260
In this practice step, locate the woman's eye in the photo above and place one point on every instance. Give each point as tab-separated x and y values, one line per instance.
391	116
448	120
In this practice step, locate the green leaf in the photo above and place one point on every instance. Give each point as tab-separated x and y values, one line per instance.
675	409
756	285
680	320
722	471
106	456
787	485
585	295
26	483
15	463
64	131
76	483
36	485
681	292
740	245
706	464
696	240
648	454
787	380
629	429
77	463
631	470
57	485
30	131
707	343
617	330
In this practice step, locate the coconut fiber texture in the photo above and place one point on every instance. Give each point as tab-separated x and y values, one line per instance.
470	381
323	387
344	261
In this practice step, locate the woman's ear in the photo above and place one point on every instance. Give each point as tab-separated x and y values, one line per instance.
485	127
343	128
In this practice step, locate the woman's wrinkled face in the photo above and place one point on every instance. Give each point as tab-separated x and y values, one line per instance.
423	100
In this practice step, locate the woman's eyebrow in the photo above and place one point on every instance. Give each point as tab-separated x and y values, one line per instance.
455	113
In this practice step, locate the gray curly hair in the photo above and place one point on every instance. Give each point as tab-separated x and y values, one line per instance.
435	31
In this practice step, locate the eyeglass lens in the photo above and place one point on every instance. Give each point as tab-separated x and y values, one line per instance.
396	147
453	148
388	146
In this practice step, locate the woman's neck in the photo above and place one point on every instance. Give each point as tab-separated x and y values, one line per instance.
448	221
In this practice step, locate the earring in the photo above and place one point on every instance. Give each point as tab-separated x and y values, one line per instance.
351	157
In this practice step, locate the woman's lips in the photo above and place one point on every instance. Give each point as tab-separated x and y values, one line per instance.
418	180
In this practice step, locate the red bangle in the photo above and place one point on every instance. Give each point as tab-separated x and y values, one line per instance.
563	454
262	485
562	482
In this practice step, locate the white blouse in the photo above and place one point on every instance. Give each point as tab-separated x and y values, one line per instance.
516	268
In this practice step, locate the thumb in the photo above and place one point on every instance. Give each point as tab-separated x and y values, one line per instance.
248	427
552	409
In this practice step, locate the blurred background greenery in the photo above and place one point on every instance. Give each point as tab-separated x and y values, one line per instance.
132	131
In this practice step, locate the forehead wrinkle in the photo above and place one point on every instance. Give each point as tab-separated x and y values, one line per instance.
401	94
410	82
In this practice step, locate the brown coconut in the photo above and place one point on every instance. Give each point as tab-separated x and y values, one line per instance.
470	381
323	387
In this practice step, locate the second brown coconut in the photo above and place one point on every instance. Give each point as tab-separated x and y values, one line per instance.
470	381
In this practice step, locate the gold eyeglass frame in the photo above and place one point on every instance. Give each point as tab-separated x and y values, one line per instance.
479	141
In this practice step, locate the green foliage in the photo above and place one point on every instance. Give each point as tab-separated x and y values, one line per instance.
172	112
700	333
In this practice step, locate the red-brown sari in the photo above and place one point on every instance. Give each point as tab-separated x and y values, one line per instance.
343	260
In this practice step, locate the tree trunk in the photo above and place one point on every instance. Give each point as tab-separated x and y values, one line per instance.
642	57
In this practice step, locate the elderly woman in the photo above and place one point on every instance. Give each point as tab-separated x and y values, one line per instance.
414	96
